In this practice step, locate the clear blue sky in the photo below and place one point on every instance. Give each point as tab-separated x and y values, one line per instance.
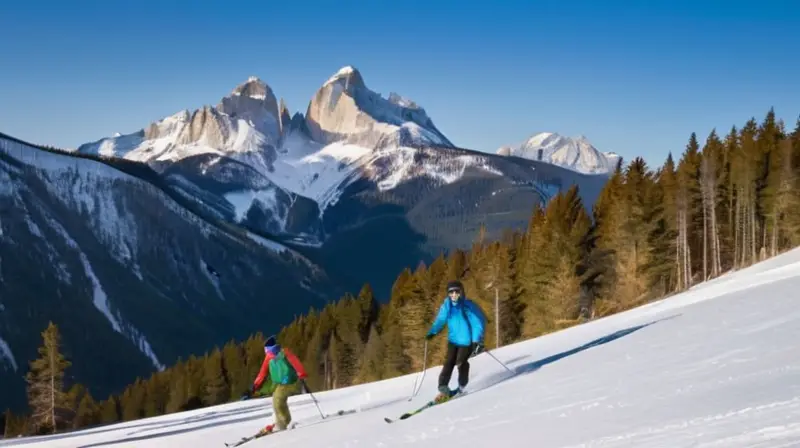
635	77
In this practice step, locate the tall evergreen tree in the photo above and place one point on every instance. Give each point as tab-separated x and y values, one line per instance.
372	361
216	390
46	395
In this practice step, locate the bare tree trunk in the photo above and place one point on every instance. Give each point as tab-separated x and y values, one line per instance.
678	258
736	230
716	270
687	249
52	391
753	229
705	238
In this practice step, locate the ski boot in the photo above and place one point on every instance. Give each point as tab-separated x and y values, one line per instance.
444	394
266	430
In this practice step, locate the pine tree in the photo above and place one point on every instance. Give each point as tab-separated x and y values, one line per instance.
312	361
371	362
109	411
217	390
88	412
413	306
179	390
235	369
710	175
369	311
46	396
132	401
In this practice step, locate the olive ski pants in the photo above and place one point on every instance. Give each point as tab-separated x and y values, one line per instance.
280	405
456	356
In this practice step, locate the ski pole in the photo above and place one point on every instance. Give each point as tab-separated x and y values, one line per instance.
313	398
500	362
315	402
424	369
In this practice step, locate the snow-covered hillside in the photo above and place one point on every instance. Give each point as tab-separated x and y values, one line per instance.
574	153
717	366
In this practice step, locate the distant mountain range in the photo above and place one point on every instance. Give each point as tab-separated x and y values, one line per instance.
214	223
574	153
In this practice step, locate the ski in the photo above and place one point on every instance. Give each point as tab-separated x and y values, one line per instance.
293	425
453	395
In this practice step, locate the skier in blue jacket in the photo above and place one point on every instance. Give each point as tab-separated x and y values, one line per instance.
465	331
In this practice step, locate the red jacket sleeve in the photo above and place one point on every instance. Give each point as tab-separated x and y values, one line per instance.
298	366
262	374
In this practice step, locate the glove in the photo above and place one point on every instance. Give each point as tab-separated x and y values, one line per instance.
429	336
248	394
304	387
478	349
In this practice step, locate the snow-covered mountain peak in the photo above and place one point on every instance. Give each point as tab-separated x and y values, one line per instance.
246	120
576	153
348	76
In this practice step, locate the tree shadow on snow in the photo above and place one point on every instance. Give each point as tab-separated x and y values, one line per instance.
174	432
218	414
536	365
155	425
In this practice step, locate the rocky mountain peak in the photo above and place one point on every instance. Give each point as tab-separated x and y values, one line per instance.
344	108
254	88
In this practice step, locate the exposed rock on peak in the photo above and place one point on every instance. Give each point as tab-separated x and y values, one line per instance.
254	102
345	109
254	88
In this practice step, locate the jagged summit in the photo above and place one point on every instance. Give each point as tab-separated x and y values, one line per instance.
345	109
251	120
254	88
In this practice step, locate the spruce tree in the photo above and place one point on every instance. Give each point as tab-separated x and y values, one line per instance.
88	412
46	396
235	369
372	360
109	411
217	390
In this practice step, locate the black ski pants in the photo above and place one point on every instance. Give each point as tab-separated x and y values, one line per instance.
456	356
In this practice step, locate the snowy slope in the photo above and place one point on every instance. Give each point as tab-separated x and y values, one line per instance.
574	153
717	366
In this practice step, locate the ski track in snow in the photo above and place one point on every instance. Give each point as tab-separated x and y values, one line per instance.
716	366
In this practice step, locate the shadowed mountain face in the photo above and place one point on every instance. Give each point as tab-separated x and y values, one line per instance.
133	276
377	232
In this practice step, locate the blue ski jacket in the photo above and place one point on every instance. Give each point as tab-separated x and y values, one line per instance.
465	322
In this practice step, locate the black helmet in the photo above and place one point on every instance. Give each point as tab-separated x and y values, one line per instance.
455	285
